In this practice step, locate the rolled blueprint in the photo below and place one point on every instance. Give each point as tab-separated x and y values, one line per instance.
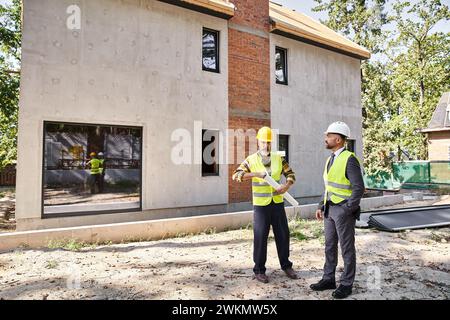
276	185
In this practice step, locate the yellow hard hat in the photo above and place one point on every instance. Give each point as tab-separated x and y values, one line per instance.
92	154
264	134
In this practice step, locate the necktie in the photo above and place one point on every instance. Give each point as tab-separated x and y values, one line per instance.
330	163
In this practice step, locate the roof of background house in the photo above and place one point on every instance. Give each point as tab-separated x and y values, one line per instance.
438	120
291	23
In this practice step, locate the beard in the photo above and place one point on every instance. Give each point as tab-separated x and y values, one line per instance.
264	152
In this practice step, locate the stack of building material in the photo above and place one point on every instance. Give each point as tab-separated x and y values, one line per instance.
406	218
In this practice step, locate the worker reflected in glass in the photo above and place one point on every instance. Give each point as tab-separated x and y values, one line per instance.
95	173
268	203
102	168
339	208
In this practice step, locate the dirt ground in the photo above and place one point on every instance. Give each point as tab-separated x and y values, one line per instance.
406	265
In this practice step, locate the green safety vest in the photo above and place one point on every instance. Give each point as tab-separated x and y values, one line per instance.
95	166
337	187
101	165
263	193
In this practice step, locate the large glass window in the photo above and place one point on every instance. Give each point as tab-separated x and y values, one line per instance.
91	168
210	59
281	66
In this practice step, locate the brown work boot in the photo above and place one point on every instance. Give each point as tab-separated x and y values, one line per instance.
291	273
261	277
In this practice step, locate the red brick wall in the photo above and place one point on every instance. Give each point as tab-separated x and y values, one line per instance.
252	13
248	80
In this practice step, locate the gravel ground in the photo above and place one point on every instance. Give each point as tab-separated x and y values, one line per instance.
406	265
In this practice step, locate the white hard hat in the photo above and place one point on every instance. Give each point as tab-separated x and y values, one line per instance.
100	154
339	127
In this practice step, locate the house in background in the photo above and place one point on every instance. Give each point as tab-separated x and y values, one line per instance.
155	67
438	131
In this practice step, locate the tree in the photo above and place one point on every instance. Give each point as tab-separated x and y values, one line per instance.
10	52
360	20
421	69
402	85
363	22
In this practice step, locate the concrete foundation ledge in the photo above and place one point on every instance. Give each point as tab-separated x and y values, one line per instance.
160	229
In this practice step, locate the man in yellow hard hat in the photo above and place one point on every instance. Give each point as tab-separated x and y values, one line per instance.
94	164
268	203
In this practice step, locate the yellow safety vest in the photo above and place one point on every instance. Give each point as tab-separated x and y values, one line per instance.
95	166
263	193
337	187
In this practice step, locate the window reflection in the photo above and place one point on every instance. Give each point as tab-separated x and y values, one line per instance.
210	50
91	168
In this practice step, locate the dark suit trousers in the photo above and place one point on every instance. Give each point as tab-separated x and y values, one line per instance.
339	223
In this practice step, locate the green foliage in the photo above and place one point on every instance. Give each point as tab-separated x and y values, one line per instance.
10	51
51	264
404	80
303	230
358	19
67	244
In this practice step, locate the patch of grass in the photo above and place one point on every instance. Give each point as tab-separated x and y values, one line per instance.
183	235
303	230
298	235
51	264
440	237
24	246
75	245
100	243
212	230
70	244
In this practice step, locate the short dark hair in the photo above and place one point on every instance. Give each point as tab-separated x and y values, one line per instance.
342	136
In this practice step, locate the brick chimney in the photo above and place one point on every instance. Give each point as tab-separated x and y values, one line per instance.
248	80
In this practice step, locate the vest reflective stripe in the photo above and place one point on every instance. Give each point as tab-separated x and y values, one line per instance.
263	193
337	186
95	166
260	184
338	195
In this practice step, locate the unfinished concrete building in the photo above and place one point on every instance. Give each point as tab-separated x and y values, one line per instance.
122	76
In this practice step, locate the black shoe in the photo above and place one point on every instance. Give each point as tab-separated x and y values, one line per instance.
323	285
342	292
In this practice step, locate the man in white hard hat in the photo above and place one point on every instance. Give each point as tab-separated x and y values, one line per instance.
344	188
268	203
